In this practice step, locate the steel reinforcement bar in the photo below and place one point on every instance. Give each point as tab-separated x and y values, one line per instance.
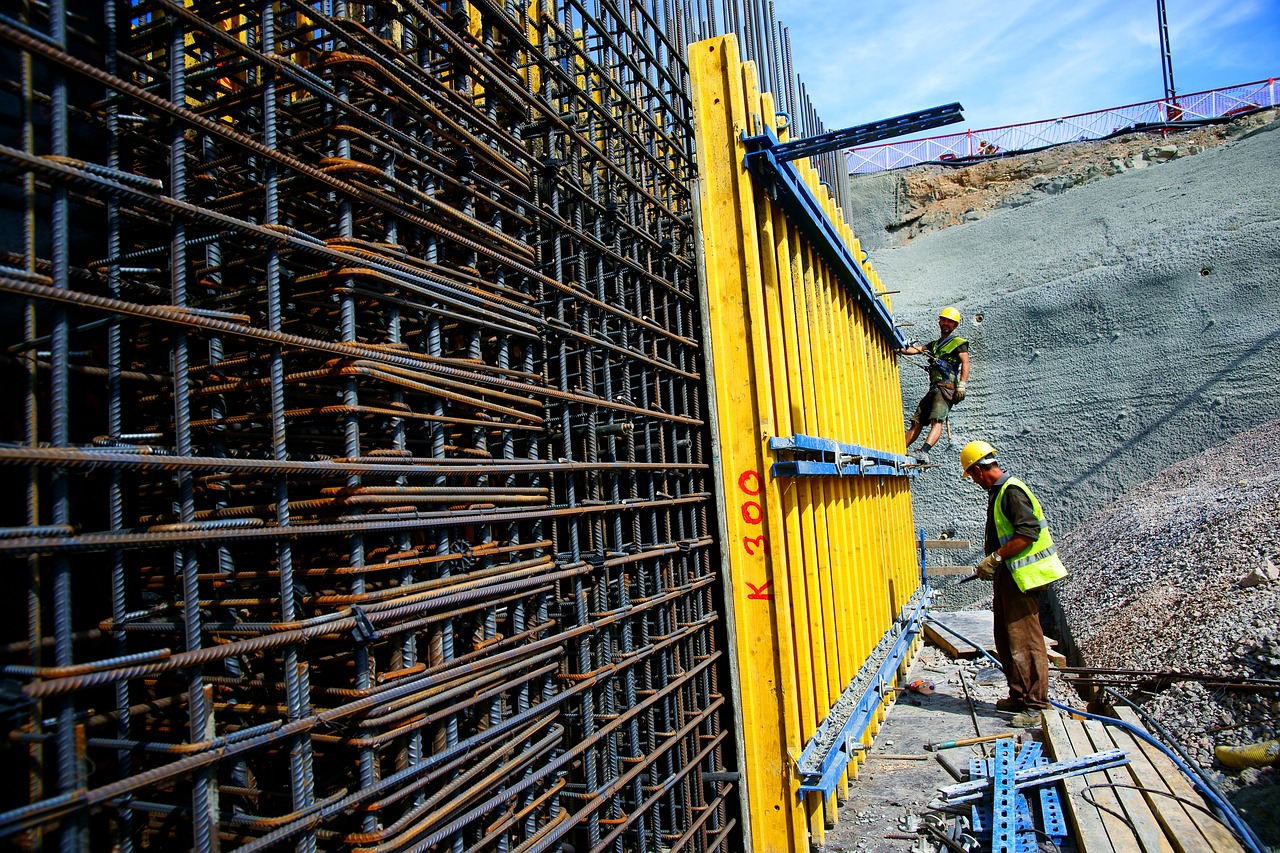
356	428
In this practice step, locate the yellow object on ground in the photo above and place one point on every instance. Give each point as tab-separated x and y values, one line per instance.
951	313
973	451
1261	754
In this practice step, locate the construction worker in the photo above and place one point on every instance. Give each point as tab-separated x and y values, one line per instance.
1021	559
948	376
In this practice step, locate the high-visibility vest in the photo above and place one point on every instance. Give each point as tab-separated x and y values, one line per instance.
946	364
1038	564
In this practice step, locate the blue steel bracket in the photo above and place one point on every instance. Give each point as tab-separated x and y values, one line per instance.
1003	817
876	131
1055	824
782	181
831	748
825	457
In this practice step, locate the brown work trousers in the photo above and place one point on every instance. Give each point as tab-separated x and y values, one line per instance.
1020	642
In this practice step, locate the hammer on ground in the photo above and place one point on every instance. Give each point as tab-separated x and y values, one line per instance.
969	741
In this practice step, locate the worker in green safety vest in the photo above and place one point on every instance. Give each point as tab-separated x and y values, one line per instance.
948	377
1021	560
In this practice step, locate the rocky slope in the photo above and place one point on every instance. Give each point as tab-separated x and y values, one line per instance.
1116	327
894	208
1183	573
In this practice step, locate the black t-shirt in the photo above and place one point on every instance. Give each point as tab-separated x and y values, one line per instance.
1017	508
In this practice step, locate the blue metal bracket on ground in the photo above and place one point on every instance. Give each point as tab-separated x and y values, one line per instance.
782	181
1024	829
825	457
829	751
1002	798
1055	825
980	812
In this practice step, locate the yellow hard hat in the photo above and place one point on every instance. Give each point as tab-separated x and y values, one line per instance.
950	313
973	452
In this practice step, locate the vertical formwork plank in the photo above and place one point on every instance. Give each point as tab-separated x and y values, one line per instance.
775	280
751	533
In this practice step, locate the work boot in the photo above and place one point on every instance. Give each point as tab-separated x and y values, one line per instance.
1010	704
922	455
1029	719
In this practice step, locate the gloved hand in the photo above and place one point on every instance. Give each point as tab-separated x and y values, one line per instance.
959	392
986	570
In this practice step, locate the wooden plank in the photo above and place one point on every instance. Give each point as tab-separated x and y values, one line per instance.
947	544
977	625
947	571
1171	814
1219	837
1121	836
1143	823
1090	835
1057	659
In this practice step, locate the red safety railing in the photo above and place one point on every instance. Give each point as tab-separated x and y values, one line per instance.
1198	106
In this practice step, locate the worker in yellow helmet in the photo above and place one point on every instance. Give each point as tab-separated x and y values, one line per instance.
1021	560
948	377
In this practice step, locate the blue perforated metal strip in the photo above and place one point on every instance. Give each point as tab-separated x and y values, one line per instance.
980	812
1054	823
1002	799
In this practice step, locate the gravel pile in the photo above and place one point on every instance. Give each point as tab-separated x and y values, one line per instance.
1182	574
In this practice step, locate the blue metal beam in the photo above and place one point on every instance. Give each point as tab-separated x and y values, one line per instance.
862	134
837	459
782	181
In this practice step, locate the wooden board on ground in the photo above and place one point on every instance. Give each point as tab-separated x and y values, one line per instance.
1099	791
1220	839
977	625
1149	833
1172	815
1090	833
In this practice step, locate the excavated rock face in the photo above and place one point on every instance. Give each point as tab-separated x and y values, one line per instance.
1116	328
895	208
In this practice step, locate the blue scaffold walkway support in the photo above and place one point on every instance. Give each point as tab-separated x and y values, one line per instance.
824	457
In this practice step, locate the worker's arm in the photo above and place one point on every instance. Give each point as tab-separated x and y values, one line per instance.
1015	546
916	350
964	366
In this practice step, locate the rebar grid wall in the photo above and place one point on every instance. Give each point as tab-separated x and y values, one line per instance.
355	425
818	569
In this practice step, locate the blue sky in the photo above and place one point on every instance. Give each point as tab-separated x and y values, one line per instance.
1010	62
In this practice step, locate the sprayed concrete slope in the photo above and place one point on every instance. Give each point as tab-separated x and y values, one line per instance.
1124	325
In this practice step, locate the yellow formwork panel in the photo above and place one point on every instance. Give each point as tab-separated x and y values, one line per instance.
816	569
